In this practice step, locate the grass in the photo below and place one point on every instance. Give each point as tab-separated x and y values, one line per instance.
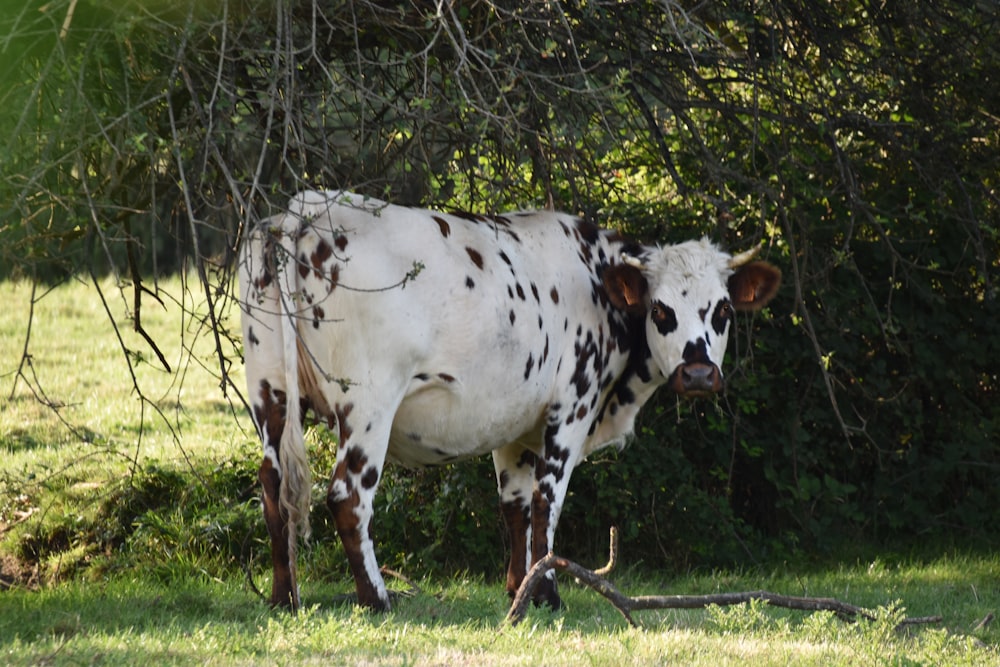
123	523
197	620
82	418
77	363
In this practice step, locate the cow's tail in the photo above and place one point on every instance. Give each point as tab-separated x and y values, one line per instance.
295	477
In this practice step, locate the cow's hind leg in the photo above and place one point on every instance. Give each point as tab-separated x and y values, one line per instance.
350	497
515	469
269	414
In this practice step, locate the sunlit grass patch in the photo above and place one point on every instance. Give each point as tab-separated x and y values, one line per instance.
88	407
79	366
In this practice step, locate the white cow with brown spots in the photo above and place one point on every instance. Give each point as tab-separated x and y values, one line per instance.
425	338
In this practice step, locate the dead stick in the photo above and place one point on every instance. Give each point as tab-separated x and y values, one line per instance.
612	554
519	605
414	589
983	623
626	605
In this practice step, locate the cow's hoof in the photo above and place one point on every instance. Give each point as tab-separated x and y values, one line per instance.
546	595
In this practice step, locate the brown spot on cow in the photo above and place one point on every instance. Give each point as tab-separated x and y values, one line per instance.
581	377
263	280
303	265
318	315
528	457
540	501
370	478
340	242
356	459
588	231
443	226
446	377
343	412
554	293
475	256
319	256
466	215
270	413
334	276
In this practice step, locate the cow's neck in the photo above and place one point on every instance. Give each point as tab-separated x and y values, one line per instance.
634	385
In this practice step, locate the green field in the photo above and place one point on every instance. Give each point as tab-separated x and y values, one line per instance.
127	512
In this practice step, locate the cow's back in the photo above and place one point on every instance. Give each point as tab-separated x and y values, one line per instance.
472	320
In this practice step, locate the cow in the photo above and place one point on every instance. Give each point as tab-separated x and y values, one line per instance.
424	338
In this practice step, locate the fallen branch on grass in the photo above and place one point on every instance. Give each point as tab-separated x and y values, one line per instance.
626	605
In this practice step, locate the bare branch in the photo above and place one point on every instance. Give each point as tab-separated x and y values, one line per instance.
627	605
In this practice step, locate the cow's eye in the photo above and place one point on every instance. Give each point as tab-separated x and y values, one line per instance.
722	316
663	317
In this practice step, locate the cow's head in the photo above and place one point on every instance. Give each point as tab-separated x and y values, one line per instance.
687	294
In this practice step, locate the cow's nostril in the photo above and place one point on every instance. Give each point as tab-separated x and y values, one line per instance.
700	378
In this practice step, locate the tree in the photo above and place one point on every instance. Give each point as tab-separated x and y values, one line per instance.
858	140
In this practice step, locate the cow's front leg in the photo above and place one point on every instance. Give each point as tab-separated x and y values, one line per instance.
552	473
515	468
350	498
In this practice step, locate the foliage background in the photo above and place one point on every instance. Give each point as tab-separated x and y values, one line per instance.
857	139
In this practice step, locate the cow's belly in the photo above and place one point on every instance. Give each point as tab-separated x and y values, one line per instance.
437	424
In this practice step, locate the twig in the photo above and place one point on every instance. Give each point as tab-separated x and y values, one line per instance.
246	562
22	516
137	290
612	553
25	356
352	598
414	589
626	605
69	19
983	623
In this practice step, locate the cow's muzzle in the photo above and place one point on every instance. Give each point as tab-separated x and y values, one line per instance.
696	379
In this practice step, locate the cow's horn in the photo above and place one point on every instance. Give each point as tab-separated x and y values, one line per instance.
633	261
745	256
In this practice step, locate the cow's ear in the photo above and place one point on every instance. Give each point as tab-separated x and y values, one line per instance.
753	285
626	288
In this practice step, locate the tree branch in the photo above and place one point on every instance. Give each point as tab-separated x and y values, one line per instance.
626	604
